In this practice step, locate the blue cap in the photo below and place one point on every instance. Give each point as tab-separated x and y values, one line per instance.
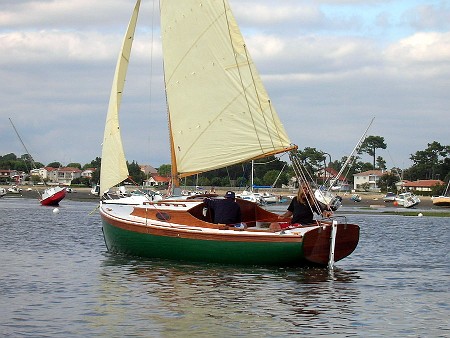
230	194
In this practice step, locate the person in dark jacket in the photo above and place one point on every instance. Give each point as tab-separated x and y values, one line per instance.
225	211
302	206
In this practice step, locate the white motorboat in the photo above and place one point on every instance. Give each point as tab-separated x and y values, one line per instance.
407	200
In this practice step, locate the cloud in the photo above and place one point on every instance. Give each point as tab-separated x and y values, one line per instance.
329	67
425	48
429	17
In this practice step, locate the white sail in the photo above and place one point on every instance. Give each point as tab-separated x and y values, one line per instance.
114	167
219	111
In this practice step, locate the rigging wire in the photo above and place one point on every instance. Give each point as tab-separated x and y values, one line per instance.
29	155
350	158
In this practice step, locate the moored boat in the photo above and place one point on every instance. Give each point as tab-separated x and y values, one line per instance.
443	200
407	200
53	195
15	190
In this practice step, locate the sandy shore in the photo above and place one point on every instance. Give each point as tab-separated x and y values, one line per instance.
368	200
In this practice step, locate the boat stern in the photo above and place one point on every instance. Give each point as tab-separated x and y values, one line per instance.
316	243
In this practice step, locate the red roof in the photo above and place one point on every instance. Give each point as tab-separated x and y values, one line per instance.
370	172
158	178
424	183
333	173
70	169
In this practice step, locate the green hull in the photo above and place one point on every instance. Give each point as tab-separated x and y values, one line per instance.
196	250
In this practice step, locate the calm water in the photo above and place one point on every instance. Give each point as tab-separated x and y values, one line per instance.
56	279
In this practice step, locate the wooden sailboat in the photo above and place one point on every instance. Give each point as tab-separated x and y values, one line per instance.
220	115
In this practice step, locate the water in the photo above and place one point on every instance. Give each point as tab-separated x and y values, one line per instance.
56	279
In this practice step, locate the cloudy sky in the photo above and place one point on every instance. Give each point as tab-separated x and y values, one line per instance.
329	67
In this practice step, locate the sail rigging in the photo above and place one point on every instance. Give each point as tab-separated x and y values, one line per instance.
219	111
114	166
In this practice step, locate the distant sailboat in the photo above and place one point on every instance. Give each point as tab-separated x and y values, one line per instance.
219	115
51	195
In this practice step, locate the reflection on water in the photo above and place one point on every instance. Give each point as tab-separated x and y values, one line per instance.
230	300
56	279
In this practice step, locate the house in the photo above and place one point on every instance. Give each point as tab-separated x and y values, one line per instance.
156	180
331	175
88	172
63	175
7	175
148	170
367	179
44	172
419	185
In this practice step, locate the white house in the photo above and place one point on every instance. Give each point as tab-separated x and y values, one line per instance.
63	176
88	172
156	180
371	177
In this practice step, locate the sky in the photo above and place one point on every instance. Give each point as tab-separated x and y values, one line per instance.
328	66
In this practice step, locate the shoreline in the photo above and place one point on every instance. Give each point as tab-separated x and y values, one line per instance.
370	202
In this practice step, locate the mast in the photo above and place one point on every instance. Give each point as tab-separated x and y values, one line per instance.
29	155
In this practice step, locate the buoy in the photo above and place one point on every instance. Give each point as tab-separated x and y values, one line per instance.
56	210
395	203
420	214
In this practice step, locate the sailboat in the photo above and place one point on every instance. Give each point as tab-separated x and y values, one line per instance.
51	195
443	200
219	115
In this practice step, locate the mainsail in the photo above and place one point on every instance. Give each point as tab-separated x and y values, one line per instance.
114	166
219	111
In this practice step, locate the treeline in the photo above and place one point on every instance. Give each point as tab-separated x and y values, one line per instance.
430	163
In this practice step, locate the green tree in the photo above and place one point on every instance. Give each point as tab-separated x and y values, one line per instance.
137	175
94	163
431	163
165	170
387	181
370	145
54	165
9	157
312	159
74	165
381	163
270	177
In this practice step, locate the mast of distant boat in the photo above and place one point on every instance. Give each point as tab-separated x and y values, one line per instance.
349	158
28	153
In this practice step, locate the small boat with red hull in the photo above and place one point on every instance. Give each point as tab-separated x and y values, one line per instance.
53	195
